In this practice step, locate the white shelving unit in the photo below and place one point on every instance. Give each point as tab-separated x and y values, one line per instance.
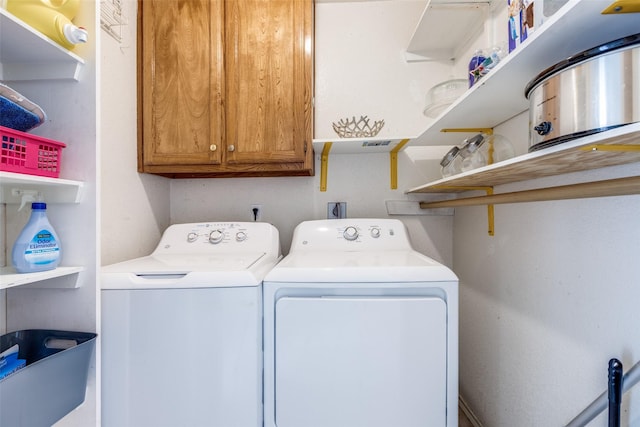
26	54
53	190
499	96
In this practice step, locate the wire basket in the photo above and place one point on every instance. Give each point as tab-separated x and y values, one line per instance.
361	128
29	154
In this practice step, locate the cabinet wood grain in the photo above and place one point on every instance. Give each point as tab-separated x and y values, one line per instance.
226	87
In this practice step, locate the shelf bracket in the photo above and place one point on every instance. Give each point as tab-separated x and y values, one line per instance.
488	131
393	159
622	6
611	147
324	164
489	192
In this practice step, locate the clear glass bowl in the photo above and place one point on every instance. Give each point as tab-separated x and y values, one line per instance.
444	94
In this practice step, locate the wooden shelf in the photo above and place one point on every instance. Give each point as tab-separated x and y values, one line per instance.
26	54
53	190
61	277
499	96
614	147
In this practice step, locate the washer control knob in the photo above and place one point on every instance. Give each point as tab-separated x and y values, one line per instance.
192	237
350	233
375	232
216	236
241	236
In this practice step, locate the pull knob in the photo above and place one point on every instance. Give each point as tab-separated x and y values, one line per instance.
192	237
543	128
216	236
213	147
375	232
350	233
232	147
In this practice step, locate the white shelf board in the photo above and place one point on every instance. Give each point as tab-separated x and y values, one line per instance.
358	145
433	38
26	54
61	277
53	190
499	96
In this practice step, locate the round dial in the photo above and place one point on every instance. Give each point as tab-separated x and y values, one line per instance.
241	236
192	237
375	232
350	233
216	236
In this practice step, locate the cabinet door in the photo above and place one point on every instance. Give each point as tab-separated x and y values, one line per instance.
182	82
269	90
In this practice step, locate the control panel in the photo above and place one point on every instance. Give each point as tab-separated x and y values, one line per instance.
218	236
351	234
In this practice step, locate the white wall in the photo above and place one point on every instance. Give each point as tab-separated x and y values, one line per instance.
359	70
135	207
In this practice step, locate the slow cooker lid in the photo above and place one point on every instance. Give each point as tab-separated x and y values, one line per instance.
585	55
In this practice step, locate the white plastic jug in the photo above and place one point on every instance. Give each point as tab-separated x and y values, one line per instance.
52	18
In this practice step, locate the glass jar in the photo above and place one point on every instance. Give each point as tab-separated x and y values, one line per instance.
472	155
450	163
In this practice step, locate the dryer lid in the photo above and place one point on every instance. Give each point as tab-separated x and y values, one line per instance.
359	267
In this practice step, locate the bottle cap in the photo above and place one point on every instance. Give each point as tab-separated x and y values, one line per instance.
38	205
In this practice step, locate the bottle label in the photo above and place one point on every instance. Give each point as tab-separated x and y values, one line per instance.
42	249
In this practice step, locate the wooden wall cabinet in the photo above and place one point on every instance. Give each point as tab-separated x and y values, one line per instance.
225	87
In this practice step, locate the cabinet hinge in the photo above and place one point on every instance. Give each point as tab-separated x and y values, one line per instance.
305	147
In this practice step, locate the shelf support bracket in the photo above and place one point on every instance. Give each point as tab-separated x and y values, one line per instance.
611	147
488	131
393	159
489	192
324	164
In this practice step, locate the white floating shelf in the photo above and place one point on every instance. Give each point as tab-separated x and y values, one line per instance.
26	54
358	145
53	190
61	277
434	39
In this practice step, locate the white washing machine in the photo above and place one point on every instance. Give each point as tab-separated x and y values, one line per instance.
360	330
182	329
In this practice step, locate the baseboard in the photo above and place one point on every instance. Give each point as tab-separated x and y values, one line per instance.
467	411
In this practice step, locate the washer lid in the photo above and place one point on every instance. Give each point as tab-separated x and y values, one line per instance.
359	267
188	271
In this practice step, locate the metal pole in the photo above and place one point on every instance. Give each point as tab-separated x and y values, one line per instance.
629	379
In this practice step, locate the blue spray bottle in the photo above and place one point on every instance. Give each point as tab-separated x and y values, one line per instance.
37	248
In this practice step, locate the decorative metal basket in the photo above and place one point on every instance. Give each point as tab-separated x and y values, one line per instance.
361	128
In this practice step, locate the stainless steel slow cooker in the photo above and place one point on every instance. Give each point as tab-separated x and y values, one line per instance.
590	92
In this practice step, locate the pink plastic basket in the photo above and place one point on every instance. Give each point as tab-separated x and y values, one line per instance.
25	153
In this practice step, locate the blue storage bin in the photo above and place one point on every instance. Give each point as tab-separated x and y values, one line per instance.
54	380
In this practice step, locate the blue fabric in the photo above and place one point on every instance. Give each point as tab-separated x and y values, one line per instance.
15	117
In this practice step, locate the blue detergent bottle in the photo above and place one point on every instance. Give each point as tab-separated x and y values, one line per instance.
37	248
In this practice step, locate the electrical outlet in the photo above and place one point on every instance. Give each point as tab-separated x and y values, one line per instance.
256	212
336	210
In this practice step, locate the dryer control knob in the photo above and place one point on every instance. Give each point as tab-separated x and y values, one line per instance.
375	232
350	233
192	237
241	236
216	236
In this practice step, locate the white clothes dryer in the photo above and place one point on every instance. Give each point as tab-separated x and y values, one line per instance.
360	330
182	329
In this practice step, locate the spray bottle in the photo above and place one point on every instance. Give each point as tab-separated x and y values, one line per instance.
37	248
52	18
